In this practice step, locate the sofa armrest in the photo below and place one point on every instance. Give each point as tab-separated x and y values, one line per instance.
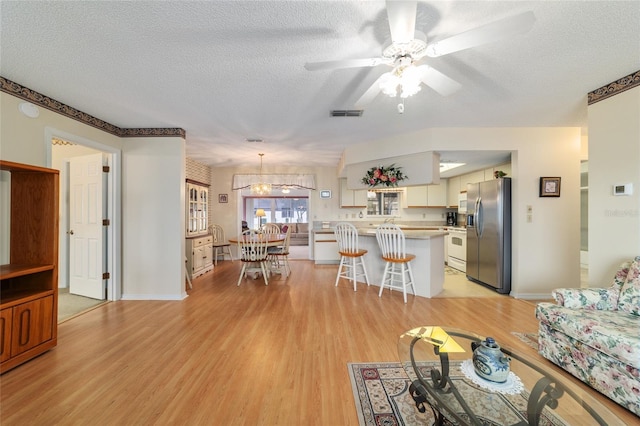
603	299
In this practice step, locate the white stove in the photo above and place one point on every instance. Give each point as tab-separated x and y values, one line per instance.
457	248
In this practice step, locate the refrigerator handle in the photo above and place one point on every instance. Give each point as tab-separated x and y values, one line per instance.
478	218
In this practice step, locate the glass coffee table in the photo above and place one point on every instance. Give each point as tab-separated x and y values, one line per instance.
438	363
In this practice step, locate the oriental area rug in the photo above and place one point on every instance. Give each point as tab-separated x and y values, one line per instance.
530	339
382	397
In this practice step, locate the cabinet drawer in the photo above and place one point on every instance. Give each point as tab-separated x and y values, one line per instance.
198	242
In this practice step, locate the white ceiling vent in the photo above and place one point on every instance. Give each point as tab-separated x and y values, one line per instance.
254	140
346	112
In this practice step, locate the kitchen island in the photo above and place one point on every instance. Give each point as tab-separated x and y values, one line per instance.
428	266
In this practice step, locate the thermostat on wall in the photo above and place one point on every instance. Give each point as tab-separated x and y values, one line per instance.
623	189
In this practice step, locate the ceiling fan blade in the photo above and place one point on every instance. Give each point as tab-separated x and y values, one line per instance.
488	33
347	63
369	95
402	20
439	82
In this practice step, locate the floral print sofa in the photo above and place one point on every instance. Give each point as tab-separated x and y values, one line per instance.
594	334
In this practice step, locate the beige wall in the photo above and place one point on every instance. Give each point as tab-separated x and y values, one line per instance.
153	218
614	158
151	241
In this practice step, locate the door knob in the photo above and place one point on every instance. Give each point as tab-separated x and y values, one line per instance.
70	232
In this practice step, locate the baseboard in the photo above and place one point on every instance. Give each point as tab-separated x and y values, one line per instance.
532	296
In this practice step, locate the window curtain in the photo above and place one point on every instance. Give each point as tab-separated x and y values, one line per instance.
292	181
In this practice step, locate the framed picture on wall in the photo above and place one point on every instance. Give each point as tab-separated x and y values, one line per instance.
549	186
223	198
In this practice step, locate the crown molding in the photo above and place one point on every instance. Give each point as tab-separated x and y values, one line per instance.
43	101
625	83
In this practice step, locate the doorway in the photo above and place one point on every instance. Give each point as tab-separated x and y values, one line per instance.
291	208
62	149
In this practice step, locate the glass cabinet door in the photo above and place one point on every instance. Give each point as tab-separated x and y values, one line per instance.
197	209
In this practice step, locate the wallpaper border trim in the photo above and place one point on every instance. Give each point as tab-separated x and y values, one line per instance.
43	101
615	87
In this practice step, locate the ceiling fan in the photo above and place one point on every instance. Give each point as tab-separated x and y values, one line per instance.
409	47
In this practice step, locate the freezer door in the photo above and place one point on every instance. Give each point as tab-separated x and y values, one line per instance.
472	236
489	227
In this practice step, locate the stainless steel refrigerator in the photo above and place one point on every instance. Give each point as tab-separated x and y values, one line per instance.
489	233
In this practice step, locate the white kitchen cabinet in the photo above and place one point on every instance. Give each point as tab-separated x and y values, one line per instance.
325	248
427	195
453	191
199	255
350	198
416	196
437	194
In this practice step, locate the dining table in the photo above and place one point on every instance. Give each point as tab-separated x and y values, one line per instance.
273	240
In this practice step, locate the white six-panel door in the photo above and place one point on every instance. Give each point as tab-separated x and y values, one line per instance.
86	231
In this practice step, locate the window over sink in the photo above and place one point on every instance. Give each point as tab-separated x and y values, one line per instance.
383	203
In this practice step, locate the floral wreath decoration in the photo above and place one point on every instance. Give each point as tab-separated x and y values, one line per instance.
385	176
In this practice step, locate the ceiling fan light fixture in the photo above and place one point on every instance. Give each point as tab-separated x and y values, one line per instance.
389	84
405	79
410	81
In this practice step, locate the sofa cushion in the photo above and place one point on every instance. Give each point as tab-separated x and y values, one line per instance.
594	298
303	228
621	276
614	333
605	299
629	300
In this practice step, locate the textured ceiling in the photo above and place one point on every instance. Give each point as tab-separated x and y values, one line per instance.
227	71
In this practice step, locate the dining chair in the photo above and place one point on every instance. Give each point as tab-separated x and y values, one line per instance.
279	256
398	262
271	228
220	243
351	255
252	247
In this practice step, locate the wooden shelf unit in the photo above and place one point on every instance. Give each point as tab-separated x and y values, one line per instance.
29	282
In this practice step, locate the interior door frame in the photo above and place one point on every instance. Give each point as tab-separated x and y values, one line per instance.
114	201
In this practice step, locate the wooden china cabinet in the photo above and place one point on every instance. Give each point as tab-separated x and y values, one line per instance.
29	282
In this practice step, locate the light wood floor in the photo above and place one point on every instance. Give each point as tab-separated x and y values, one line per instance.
228	355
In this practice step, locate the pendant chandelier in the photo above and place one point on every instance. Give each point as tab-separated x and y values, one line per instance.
261	188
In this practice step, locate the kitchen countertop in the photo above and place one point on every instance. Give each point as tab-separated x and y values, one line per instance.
413	234
410	232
